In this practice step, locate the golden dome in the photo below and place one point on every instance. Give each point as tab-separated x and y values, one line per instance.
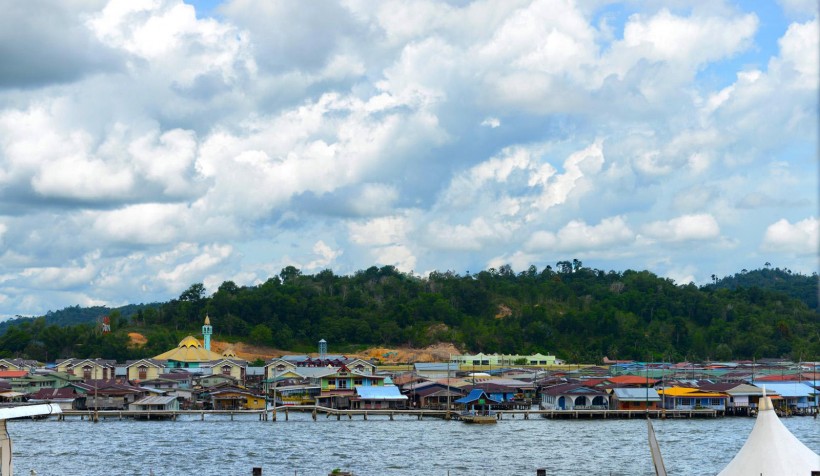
189	350
207	320
229	353
189	341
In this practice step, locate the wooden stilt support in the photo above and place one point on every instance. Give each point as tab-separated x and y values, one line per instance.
391	416
365	415
287	417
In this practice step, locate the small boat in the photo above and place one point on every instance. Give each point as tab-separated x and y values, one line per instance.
479	419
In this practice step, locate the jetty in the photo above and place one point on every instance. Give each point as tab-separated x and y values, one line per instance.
283	412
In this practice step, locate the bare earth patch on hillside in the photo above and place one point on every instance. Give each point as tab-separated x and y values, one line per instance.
137	339
440	352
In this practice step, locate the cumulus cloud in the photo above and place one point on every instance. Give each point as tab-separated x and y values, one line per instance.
578	236
800	238
43	43
164	147
684	228
491	122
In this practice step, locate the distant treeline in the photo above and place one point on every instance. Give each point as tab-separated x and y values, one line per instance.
578	313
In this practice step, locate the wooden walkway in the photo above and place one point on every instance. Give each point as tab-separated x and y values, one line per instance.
315	411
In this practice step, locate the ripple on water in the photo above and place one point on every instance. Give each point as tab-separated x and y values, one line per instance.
381	447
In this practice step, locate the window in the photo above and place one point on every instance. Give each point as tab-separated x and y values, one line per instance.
69	370
685	401
341	383
143	372
87	372
716	401
226	370
3	368
358	381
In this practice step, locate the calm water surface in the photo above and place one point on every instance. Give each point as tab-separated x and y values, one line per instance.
406	446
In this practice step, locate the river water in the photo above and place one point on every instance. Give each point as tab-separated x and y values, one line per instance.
378	446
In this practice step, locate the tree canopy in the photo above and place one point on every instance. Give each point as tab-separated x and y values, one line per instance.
580	314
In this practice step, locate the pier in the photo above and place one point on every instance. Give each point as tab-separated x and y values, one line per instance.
283	413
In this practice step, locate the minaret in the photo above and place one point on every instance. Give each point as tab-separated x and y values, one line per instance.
207	330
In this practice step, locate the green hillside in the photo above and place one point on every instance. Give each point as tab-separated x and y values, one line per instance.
578	313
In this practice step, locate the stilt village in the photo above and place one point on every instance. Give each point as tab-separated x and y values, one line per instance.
193	379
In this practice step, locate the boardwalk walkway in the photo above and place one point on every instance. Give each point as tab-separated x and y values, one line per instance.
315	411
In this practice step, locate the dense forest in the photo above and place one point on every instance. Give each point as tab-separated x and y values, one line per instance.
578	313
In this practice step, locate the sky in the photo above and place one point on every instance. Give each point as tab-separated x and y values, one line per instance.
146	145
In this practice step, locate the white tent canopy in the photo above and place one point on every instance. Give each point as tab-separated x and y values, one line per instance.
772	450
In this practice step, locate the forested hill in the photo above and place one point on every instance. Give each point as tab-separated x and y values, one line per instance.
77	315
578	313
795	285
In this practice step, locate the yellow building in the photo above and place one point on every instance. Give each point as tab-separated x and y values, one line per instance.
88	369
144	369
231	367
232	398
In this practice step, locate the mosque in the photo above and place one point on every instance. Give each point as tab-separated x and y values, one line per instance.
190	353
192	356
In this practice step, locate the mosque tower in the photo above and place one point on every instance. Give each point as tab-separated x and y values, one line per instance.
207	330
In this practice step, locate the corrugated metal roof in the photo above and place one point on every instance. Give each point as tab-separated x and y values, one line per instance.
790	389
387	392
157	400
435	366
636	394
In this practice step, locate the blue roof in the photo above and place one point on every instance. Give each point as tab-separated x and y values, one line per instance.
475	395
387	392
788	389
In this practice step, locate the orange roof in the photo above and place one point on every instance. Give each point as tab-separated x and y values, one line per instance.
632	380
13	373
778	378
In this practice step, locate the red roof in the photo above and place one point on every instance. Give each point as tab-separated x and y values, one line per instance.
632	380
54	393
777	378
13	373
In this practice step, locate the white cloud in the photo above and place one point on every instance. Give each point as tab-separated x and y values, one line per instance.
203	148
491	122
579	165
196	262
684	228
578	236
800	238
67	277
379	231
325	256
